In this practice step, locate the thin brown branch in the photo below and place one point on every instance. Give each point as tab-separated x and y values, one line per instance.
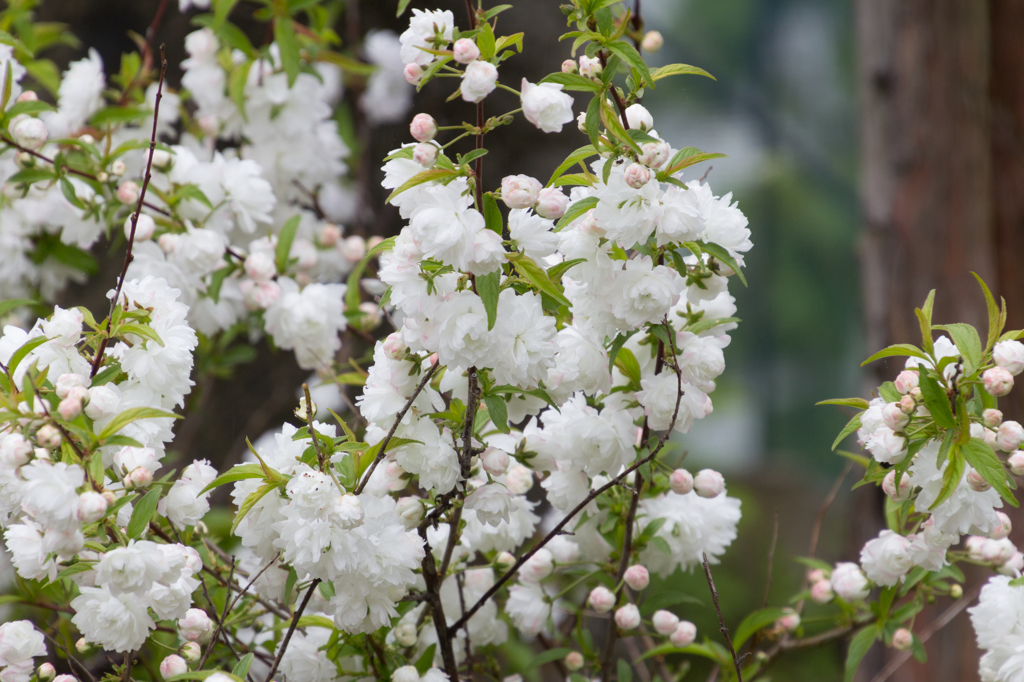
721	620
291	628
309	423
820	520
433	591
135	217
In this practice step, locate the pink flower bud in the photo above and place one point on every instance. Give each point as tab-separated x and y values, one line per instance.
889	486
65	382
902	640
590	68
708	483
637	577
1016	462
394	476
1013	567
637	176
573	659
907	404
394	347
684	635
329	234
167	242
423	127
46	671
494	461
998	381
259	295
1003	528
410	510
654	154
209	125
520	191
991	418
91	507
551	203
987	435
821	591
30	133
69	408
413	74
894	417
568	66
815	575
601	599
538	567
191	652
425	154
1010	356
505	560
140	477
977	481
465	51
260	266
519	480
405	634
144	228
65	678
681	481
652	42
353	248
48	436
29	96
789	622
196	626
83	645
665	622
906	380
627	617
915	393
1009	436
973	544
173	665
128	192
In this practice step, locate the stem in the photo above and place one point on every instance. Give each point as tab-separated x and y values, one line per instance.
433	591
135	217
309	421
721	620
291	628
479	172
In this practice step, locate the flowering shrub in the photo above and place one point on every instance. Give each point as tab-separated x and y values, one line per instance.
556	343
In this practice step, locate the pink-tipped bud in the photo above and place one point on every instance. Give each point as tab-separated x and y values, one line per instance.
260	266
65	678
494	461
519	480
69	408
1003	528
48	436
601	599
423	127
1009	436
425	154
329	234
520	191
168	242
590	67
83	645
394	347
902	639
46	671
894	417
815	575
173	665
654	154
1016	462
196	626
128	192
191	652
574	659
413	74
14	450
637	577
821	591
998	381
551	203
28	96
907	404
505	560
144	228
684	635
1010	356
140	477
30	133
465	51
991	418
91	507
977	481
889	487
665	622
789	622
568	66
708	483
637	175
907	380
652	42
681	481
627	617
410	510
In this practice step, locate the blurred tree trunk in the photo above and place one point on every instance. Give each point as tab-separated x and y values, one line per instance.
942	115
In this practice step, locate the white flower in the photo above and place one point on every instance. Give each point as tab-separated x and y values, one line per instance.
488	253
643	292
479	80
639	118
965	509
117	623
532	233
528	609
50	493
131	569
183	505
887	558
1010	356
546	106
887	446
849	582
628	215
525	337
443	225
308	321
492	503
195	626
423	27
79	97
520	191
537	567
20	642
694	526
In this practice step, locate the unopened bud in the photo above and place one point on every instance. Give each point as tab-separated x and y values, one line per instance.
998	381
30	133
1009	436
260	266
425	154
168	242
329	234
601	599
140	477
637	175
46	671
48	436
505	560
977	481
82	646
652	42
405	634
708	483
128	192
637	577
684	635
789	622
519	479
423	127
118	168
991	418
907	380
889	486
915	393
956	591
91	507
654	154
191	652
65	678
681	481
465	51
173	665
627	617
568	66
144	228
894	417
29	96
902	639
1016	462
413	73
574	659
907	404
353	248
162	159
69	408
1003	528
665	622
551	203
590	67
821	591
410	510
494	461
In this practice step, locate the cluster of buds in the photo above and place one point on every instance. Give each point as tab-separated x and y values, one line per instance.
707	483
522	191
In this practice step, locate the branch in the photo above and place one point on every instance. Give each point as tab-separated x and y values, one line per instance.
135	217
394	427
291	628
309	422
721	620
437	610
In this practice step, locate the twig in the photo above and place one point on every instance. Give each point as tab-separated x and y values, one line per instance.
721	620
433	585
771	559
818	522
309	421
81	666
228	605
291	628
703	177
942	621
394	427
135	217
472	401
127	676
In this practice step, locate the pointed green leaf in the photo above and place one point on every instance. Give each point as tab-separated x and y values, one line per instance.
679	70
487	286
859	646
895	350
284	35
980	456
142	513
284	243
238	472
850	427
133	414
937	402
755	622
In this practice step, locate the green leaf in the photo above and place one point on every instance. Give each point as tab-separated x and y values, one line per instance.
967	342
241	668
487	287
141	330
116	115
610	119
628	54
951	476
897	350
937	402
284	34
548	656
755	622
75	569
575	211
572	81
402	5
850	427
859	646
33	107
679	70
23	352
995	321
859	403
625	672
68	190
250	502
498	412
721	254
626	362
556	271
10	304
236	473
685	158
617	343
538	277
284	243
428	175
32	175
592	121
980	456
142	513
133	414
485	41
8	85
924	318
492	214
236	85
426	661
581	154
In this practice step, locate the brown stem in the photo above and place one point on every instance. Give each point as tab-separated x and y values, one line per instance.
224	614
135	216
147	51
479	172
291	628
394	427
721	620
603	56
309	423
433	591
